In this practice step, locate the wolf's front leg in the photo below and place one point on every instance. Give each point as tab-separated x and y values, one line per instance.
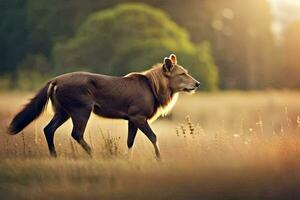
132	130
142	124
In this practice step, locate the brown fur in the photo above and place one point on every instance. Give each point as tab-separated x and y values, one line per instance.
160	85
136	97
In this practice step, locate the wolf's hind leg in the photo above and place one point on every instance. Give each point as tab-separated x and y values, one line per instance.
59	118
80	118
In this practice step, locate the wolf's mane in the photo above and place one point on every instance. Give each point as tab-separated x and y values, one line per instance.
160	87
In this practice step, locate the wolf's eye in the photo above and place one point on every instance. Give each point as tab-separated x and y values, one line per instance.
182	74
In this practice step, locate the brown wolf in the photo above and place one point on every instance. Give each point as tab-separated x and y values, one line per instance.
136	97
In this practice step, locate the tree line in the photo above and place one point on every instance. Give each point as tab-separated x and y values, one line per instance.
227	44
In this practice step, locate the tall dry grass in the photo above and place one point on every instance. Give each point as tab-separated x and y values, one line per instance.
214	146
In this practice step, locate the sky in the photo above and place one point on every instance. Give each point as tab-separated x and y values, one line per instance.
284	11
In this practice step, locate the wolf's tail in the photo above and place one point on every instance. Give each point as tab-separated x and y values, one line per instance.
31	111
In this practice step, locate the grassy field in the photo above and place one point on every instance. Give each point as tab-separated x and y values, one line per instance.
228	145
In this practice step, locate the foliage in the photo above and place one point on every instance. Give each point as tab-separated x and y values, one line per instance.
56	20
133	37
239	33
13	34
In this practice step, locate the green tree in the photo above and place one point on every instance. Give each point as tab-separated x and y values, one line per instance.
132	37
13	34
240	34
56	20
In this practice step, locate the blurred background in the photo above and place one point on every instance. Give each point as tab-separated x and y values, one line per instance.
241	142
230	44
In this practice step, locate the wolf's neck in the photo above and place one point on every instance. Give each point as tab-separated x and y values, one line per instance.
160	86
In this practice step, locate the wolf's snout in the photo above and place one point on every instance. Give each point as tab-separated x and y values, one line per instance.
197	84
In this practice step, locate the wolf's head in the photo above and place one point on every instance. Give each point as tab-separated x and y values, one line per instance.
178	76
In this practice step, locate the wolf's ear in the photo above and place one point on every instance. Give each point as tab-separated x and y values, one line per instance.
173	59
168	65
